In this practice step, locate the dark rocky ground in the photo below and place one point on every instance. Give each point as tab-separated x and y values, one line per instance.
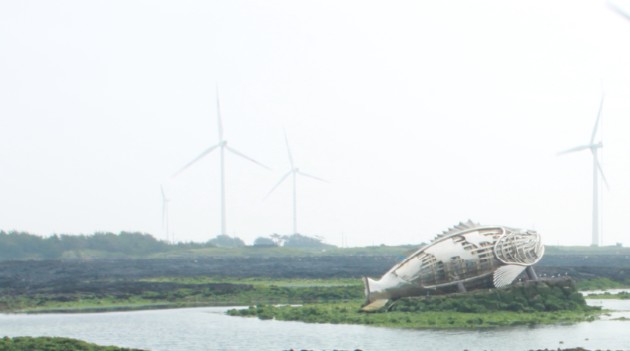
615	267
19	277
44	274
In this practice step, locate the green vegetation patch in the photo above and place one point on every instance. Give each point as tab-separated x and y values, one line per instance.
348	313
25	343
540	296
624	295
549	302
602	283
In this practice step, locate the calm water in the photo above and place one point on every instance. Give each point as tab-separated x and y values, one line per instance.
209	329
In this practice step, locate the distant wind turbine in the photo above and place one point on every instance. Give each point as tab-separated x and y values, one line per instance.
294	171
165	202
617	9
597	170
222	145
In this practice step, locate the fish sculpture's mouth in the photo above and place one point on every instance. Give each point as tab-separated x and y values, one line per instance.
522	247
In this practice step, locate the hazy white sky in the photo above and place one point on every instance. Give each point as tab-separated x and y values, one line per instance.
419	113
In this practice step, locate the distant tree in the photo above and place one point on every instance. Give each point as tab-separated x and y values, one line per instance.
17	245
125	243
21	245
226	241
140	243
192	245
303	241
264	242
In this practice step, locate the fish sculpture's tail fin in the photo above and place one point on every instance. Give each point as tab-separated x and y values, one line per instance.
372	303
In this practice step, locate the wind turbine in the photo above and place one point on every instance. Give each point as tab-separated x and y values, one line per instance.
618	9
597	170
222	146
165	202
293	172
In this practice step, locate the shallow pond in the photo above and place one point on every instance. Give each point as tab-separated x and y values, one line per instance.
210	329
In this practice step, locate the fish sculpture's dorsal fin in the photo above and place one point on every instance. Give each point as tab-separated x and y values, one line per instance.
457	228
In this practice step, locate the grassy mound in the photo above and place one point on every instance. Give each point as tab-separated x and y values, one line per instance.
548	302
538	296
26	343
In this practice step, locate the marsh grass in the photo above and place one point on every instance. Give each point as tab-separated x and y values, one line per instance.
25	343
549	302
348	313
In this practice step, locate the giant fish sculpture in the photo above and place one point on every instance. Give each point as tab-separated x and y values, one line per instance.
467	256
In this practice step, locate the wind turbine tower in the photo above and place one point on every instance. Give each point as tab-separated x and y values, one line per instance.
293	172
597	170
222	146
165	202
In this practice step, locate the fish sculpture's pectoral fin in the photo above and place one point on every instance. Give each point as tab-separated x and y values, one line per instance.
505	275
374	305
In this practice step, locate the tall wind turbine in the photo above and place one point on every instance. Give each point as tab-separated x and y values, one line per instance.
165	202
293	172
618	9
222	146
597	170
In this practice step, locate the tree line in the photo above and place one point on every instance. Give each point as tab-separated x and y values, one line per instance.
16	245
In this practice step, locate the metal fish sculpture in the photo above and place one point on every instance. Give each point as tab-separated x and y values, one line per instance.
465	257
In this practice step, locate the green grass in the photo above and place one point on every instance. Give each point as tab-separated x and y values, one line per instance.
531	303
609	296
348	313
601	284
24	343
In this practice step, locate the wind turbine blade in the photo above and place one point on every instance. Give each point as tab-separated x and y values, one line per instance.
286	140
599	113
278	183
577	148
312	176
246	157
220	124
162	189
617	9
601	172
207	151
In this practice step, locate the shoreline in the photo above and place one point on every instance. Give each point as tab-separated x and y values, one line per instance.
118	308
